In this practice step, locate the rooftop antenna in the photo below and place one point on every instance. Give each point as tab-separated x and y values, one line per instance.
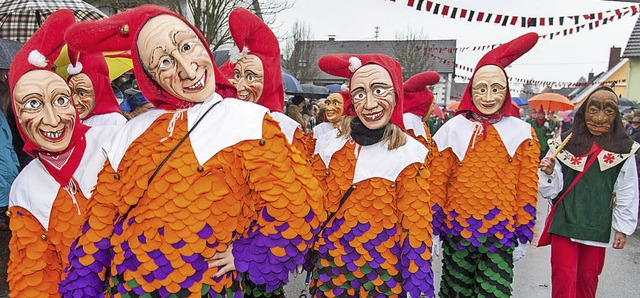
376	32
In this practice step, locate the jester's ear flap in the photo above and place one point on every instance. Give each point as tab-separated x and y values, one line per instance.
44	46
508	52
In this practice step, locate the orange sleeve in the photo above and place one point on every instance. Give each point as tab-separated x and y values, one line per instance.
34	266
290	208
527	189
89	254
442	167
414	205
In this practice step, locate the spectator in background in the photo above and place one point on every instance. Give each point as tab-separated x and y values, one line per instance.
634	130
295	111
8	170
135	104
543	129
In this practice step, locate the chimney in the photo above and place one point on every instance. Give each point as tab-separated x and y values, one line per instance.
614	57
590	79
333	38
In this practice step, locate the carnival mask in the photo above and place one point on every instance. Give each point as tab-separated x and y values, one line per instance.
373	95
44	109
489	89
176	58
334	107
248	77
84	97
602	107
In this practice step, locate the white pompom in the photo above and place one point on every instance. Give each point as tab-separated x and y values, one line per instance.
354	64
235	54
37	59
344	87
71	70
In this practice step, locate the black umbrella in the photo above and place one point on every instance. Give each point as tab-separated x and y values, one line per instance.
19	19
8	49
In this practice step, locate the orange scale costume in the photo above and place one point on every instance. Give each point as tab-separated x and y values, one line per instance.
233	184
484	181
378	244
48	200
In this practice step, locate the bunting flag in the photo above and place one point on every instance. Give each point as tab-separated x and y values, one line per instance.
557	84
519	21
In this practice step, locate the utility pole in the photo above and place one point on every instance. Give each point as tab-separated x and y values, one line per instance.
376	32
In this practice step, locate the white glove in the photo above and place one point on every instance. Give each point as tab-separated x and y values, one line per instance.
519	252
298	270
436	249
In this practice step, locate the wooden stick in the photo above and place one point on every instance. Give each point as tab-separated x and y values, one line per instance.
564	143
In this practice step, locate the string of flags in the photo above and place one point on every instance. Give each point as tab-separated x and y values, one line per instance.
521	21
599	19
557	84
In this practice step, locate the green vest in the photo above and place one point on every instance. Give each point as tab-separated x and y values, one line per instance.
585	213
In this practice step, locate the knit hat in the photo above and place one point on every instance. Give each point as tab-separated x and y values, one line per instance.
95	67
297	99
502	57
345	65
120	32
39	53
252	36
417	97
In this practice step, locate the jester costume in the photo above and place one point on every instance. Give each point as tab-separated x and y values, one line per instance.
418	100
378	244
253	37
233	182
106	109
484	184
48	200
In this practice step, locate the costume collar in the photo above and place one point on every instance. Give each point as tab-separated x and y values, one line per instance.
606	159
373	161
287	125
321	129
457	134
212	135
39	200
414	122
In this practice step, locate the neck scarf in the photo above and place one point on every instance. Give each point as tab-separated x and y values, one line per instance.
486	120
364	136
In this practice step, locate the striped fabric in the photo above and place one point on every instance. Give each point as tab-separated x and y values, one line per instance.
19	19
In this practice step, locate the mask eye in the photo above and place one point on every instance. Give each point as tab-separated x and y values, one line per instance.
482	90
236	75
494	90
166	62
358	96
61	101
251	78
82	93
32	104
186	47
378	91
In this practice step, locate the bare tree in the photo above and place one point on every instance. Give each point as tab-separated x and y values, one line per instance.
413	51
299	53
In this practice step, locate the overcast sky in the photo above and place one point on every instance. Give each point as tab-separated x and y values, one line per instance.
563	59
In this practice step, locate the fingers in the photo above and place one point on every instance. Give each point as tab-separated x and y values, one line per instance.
619	243
224	270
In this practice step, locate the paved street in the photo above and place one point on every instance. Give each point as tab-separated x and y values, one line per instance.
620	278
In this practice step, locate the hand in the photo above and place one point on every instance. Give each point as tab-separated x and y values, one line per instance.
519	252
619	240
225	260
547	164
